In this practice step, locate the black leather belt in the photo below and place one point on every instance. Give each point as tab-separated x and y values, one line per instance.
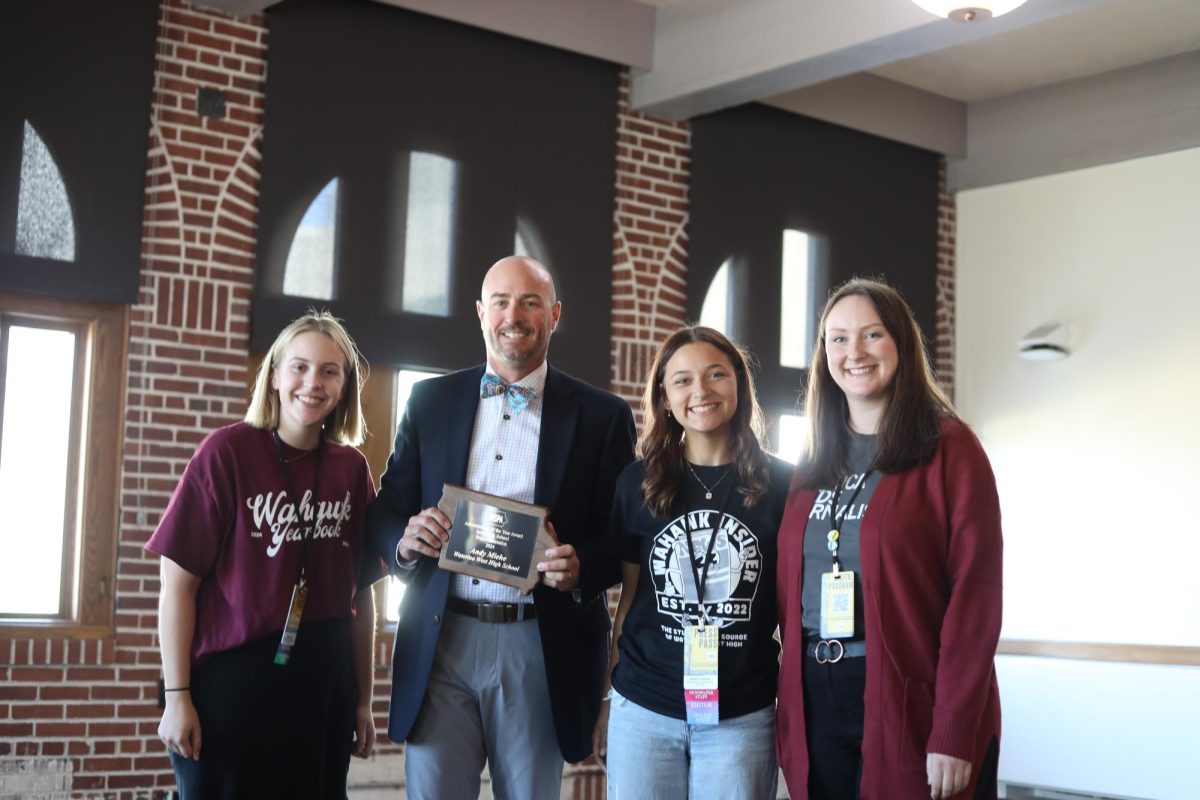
491	612
831	651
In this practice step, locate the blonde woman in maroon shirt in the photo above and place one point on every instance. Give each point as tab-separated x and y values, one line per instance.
266	618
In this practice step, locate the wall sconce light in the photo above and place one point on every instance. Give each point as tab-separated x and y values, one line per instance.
968	11
1049	342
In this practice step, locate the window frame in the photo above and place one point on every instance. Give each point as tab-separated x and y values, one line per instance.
91	518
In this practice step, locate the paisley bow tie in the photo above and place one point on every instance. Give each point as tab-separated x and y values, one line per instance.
518	396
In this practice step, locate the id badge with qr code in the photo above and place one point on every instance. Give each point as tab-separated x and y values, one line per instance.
701	659
837	605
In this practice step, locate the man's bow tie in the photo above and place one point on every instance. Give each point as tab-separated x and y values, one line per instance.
518	396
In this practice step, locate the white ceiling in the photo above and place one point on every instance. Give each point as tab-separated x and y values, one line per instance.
1088	42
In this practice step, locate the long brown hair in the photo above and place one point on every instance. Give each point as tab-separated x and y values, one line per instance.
911	423
660	447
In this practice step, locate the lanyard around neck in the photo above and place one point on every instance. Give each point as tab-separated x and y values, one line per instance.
835	533
296	499
701	578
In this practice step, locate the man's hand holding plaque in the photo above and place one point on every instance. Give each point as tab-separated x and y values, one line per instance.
560	570
493	538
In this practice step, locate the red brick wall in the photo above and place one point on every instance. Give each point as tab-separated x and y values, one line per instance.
650	240
95	702
943	345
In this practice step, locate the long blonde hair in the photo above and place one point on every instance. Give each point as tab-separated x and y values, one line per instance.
345	424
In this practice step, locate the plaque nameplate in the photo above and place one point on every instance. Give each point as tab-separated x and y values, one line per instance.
494	538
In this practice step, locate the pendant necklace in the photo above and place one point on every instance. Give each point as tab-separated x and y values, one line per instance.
708	490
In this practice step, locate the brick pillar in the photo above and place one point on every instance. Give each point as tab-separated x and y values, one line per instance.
189	332
943	355
650	240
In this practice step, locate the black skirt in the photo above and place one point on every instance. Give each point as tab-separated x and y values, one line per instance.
272	731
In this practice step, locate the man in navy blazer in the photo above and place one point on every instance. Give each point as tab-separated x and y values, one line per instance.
480	673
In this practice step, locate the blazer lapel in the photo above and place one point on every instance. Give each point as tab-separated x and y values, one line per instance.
559	414
459	421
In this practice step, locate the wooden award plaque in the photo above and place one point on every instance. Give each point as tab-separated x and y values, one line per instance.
494	538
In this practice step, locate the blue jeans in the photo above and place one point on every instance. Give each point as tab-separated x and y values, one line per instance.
654	756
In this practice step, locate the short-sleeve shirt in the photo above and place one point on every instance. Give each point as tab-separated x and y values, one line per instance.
232	522
739	593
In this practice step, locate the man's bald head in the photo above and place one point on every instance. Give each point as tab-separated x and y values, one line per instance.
511	267
518	311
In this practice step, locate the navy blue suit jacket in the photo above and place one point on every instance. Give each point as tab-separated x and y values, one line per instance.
587	438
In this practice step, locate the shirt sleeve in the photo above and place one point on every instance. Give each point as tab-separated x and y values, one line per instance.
627	499
200	513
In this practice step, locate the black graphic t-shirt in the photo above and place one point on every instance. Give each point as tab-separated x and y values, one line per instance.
739	592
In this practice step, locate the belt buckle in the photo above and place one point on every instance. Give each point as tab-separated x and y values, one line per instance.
828	657
493	612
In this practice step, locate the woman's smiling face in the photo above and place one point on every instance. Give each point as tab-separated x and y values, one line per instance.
861	353
310	378
701	389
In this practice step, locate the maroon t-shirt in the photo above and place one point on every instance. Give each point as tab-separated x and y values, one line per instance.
232	522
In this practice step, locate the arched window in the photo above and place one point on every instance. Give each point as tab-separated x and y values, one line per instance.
310	262
715	313
45	225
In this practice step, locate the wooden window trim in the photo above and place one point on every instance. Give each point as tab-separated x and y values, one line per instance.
94	470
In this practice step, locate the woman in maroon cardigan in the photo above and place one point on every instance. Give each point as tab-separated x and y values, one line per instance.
889	574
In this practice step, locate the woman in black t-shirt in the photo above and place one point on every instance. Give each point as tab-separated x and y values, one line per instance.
694	522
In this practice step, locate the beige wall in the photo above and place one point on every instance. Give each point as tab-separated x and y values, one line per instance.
1095	457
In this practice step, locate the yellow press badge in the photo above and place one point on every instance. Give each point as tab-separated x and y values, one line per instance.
701	656
837	604
295	611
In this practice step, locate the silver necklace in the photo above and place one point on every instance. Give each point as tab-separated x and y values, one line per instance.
708	490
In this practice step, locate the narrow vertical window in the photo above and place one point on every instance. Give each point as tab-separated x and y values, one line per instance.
793	436
715	311
62	363
37	389
406	379
528	242
310	262
429	234
45	226
795	301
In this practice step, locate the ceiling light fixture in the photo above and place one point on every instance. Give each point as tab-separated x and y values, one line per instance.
968	11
